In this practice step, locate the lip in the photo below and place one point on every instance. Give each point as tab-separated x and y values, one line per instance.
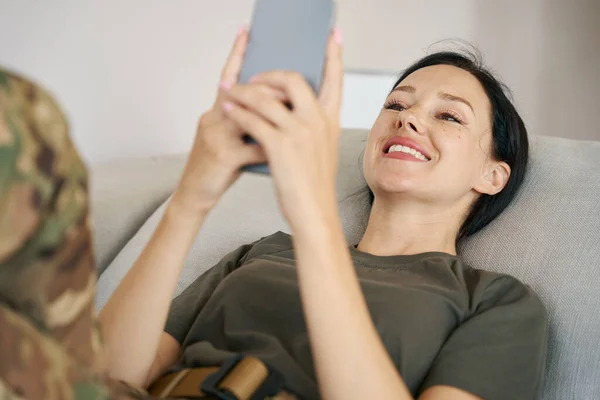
404	141
403	156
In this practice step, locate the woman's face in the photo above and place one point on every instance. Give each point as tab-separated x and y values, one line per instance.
443	113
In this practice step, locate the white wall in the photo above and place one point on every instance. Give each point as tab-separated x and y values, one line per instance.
135	75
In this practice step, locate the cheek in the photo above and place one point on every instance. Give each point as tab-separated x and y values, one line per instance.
376	135
459	153
453	143
368	157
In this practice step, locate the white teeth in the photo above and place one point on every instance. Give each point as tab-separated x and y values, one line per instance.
407	150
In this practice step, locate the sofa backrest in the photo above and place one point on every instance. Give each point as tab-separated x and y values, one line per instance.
549	238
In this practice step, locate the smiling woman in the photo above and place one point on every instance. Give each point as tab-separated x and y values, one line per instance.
449	101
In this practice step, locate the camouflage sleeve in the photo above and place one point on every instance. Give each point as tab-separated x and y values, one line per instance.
50	343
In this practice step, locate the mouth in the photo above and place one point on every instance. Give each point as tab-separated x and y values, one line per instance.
405	148
398	150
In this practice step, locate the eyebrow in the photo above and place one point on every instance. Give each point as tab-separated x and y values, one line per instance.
408	89
442	95
451	97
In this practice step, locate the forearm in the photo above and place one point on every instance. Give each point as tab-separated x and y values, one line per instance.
134	317
350	358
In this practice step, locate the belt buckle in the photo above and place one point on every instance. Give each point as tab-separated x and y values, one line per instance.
272	385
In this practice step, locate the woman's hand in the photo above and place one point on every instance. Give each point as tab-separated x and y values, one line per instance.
218	152
301	144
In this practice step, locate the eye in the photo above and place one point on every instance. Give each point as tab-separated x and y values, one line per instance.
394	105
450	116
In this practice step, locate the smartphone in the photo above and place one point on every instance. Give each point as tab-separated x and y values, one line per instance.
288	35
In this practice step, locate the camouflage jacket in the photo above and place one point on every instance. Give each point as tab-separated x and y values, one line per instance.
50	344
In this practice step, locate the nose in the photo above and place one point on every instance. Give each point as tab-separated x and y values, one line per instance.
408	120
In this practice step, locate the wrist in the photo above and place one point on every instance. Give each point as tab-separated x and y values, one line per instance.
318	220
186	210
191	199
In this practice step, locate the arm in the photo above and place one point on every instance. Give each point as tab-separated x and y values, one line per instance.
168	352
182	313
135	315
344	340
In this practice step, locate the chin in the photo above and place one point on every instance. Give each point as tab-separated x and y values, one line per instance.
392	182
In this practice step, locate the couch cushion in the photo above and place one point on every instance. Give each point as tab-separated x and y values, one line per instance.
124	194
549	238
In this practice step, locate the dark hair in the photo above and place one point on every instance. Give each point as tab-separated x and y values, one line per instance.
509	136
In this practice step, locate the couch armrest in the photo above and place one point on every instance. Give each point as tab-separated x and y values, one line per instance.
123	195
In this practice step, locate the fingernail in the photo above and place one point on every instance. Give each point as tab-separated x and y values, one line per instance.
253	79
241	30
337	35
225	85
228	106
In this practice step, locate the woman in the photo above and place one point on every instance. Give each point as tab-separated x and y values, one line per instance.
399	315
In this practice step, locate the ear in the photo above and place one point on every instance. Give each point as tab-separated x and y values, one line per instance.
494	178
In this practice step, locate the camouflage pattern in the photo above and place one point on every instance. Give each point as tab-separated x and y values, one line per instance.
50	345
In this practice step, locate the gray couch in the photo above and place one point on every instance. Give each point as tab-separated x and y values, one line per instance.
549	237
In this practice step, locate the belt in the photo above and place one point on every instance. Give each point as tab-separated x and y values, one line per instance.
240	378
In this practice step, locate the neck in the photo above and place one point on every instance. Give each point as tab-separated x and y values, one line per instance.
410	229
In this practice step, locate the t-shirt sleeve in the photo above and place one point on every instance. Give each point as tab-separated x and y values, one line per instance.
499	352
190	302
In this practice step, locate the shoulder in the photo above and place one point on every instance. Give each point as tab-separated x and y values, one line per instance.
496	290
273	244
276	241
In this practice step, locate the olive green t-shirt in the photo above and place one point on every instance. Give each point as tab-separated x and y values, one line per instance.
442	322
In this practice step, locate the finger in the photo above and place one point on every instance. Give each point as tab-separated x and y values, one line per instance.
256	126
258	98
274	92
267	90
291	83
330	94
233	65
